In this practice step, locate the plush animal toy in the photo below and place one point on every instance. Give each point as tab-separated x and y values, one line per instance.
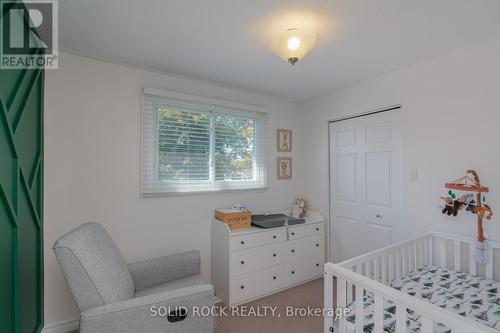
451	207
469	202
466	199
471	207
484	212
301	203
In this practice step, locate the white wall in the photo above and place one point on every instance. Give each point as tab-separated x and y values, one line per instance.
451	122
92	160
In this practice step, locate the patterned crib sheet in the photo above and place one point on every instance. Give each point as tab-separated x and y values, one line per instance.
469	296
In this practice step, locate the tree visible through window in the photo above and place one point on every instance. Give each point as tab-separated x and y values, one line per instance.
183	145
234	148
190	146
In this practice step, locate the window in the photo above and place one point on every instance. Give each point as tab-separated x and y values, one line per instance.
197	145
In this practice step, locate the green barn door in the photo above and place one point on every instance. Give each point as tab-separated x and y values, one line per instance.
21	200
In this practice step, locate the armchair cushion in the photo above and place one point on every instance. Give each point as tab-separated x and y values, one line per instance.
93	266
149	273
190	281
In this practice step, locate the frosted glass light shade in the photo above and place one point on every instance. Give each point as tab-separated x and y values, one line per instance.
293	44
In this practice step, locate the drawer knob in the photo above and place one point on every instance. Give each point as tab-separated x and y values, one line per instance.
317	244
317	229
293	251
274	277
242	262
317	265
293	233
274	236
242	242
242	287
293	272
274	254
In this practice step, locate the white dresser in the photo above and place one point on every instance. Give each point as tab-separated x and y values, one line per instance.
254	262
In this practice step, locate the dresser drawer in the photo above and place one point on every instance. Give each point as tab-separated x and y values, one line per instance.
244	261
306	230
252	284
245	241
304	247
303	269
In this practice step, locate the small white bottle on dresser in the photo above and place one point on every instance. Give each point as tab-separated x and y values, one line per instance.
250	263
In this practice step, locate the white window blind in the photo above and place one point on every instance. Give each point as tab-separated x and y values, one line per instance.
193	145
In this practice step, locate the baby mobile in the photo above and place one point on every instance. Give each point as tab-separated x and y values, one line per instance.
474	202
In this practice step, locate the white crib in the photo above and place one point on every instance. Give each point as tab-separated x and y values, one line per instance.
373	271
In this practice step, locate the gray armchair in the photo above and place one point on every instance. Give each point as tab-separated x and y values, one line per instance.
158	295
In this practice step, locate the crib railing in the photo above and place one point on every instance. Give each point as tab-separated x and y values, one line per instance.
443	241
372	272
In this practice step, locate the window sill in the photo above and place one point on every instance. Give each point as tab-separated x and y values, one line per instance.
146	195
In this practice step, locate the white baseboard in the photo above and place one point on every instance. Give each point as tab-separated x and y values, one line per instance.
62	326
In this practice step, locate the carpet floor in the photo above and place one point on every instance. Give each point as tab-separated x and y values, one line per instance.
307	295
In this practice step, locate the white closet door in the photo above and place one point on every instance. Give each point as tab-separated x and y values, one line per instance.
365	193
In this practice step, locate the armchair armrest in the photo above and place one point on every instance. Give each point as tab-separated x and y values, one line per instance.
150	313
152	272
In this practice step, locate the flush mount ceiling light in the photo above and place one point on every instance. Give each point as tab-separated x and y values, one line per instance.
293	44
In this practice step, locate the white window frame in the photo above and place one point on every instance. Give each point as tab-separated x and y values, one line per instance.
150	186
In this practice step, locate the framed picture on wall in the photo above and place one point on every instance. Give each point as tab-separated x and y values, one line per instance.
284	140
284	167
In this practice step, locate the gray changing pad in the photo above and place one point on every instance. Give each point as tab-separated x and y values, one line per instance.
268	221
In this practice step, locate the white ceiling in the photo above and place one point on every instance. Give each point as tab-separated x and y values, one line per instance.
227	41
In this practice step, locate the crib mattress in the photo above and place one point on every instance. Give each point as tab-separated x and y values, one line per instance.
469	296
